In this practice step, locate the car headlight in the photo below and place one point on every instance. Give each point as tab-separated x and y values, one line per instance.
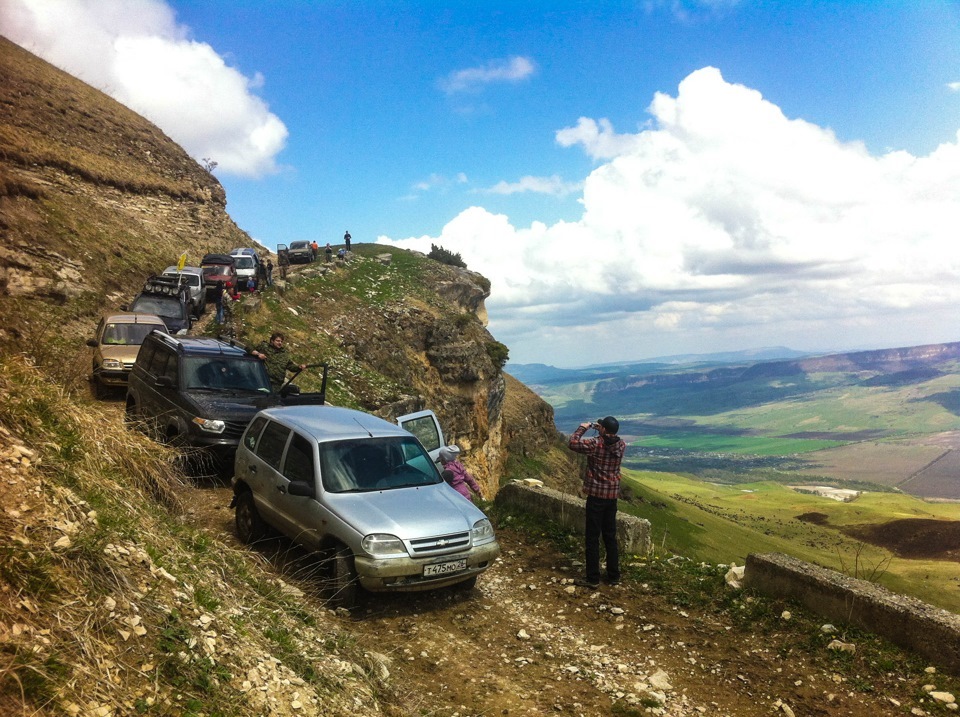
377	544
482	531
210	425
113	364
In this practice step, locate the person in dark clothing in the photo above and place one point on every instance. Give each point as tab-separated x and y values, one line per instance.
277	360
269	272
601	486
346	240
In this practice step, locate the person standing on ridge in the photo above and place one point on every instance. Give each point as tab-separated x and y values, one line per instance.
601	485
346	240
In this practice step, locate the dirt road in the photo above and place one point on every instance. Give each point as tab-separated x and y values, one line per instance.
527	642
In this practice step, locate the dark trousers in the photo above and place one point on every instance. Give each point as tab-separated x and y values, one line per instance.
602	523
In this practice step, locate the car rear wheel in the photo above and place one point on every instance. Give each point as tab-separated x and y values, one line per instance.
343	579
250	526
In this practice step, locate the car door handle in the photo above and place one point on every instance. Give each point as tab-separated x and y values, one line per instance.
281	489
252	469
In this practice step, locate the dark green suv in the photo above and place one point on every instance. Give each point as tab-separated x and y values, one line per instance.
198	392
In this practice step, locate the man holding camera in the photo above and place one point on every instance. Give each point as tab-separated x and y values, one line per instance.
601	486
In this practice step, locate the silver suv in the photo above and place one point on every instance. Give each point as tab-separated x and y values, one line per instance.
364	493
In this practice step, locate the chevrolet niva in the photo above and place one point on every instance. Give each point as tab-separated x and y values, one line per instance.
362	492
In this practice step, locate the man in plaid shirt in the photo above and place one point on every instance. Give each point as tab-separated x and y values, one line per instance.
601	485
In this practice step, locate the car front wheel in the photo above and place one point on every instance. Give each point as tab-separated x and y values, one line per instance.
343	574
250	526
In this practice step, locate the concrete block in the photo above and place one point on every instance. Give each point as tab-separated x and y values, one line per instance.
633	533
905	621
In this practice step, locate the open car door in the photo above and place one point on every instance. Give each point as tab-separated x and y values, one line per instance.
425	426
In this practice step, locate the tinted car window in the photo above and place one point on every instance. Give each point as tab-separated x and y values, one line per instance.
158	362
298	464
252	436
167	306
171	370
272	441
145	355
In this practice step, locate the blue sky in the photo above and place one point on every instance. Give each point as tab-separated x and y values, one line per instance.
636	179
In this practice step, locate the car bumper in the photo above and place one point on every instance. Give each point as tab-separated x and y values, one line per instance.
406	574
112	377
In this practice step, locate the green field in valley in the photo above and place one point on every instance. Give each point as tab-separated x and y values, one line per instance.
723	523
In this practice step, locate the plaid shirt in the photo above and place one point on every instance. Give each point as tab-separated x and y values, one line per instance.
603	463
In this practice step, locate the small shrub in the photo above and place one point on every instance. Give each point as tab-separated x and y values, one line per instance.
444	256
498	353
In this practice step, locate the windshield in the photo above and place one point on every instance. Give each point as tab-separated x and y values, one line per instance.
167	306
225	374
126	334
244	262
299	245
215	270
370	464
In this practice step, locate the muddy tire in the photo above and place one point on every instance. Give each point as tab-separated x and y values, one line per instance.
343	579
250	526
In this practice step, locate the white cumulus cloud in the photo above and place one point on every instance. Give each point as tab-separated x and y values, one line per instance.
724	224
135	51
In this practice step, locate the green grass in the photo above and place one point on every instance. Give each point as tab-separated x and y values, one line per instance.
723	523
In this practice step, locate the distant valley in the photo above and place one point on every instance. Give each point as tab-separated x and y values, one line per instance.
885	419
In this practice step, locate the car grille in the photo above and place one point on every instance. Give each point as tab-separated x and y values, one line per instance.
128	365
234	429
440	544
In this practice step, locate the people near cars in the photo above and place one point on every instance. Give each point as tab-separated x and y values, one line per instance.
277	360
315	247
460	479
220	297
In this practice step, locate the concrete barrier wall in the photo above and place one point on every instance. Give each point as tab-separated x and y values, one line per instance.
633	533
905	621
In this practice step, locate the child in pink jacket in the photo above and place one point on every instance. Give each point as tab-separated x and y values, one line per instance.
456	475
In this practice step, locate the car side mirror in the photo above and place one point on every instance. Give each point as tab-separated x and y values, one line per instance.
291	389
123	307
92	343
164	382
301	488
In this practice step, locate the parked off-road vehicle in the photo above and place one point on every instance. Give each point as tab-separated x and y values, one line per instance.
201	393
362	492
163	296
115	345
301	252
218	267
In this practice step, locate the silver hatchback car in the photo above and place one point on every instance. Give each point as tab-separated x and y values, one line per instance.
364	493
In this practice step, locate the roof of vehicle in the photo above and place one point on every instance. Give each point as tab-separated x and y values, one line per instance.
200	345
329	423
217	259
184	270
299	244
242	250
130	317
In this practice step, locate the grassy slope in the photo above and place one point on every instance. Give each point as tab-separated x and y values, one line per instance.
722	523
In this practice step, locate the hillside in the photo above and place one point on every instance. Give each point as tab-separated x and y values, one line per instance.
122	587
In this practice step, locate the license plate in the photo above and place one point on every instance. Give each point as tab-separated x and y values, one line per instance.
454	566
